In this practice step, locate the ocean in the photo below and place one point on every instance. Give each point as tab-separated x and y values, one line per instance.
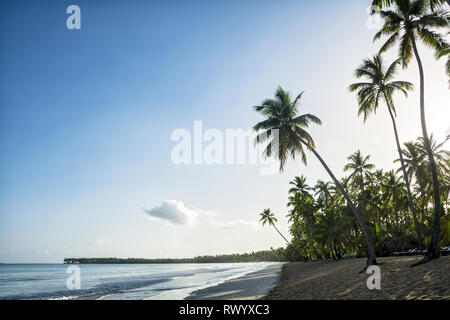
117	281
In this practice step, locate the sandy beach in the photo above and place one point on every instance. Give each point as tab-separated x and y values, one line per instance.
337	280
255	285
341	280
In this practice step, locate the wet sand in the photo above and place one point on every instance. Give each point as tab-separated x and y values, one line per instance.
252	286
341	280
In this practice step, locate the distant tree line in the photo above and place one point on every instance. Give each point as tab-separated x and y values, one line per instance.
280	254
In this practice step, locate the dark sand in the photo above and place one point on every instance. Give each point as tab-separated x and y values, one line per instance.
252	286
339	280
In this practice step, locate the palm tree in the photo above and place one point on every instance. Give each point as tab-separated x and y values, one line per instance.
393	193
417	168
360	169
323	191
284	121
413	158
386	3
412	19
268	217
381	87
303	205
445	52
359	166
417	165
300	186
440	155
297	231
331	230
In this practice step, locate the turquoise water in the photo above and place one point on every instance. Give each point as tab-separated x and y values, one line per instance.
117	281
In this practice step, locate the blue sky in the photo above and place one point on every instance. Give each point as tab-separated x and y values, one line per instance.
86	118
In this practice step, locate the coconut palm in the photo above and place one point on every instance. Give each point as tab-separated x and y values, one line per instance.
331	230
441	156
445	52
417	169
432	3
408	21
323	191
381	87
268	217
393	193
417	165
286	129
359	168
300	186
303	205
413	159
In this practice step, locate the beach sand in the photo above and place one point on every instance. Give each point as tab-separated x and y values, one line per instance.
340	280
252	286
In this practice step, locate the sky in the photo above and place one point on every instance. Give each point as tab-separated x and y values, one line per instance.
87	116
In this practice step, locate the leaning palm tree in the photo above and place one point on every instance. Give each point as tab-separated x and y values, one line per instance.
285	128
408	21
381	87
267	217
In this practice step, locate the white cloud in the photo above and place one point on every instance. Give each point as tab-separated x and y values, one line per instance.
177	213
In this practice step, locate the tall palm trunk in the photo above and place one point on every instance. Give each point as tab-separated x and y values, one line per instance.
336	249
289	244
333	255
364	196
405	176
371	258
433	249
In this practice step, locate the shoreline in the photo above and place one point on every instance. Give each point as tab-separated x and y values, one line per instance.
252	286
341	280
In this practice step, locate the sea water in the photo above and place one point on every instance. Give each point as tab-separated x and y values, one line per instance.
117	281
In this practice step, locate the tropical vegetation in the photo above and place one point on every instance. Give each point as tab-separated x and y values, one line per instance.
370	211
279	254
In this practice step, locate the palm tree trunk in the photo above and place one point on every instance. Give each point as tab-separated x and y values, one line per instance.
333	255
338	255
433	249
281	235
364	196
405	176
371	258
